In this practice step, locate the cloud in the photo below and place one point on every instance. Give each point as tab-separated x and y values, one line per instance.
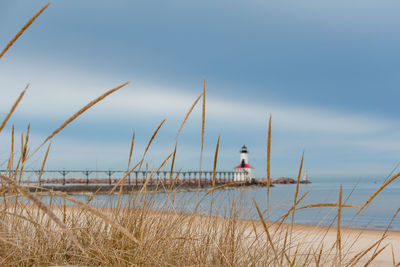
327	134
56	95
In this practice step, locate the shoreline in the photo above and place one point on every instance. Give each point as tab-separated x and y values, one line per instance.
270	223
297	225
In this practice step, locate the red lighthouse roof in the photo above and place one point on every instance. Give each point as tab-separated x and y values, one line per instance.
243	166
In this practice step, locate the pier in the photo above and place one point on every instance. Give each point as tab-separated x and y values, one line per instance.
113	176
104	180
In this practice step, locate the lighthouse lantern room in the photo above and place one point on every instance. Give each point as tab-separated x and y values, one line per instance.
243	172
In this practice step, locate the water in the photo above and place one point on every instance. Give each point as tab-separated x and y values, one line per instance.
355	192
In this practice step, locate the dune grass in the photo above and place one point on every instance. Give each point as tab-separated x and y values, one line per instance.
137	232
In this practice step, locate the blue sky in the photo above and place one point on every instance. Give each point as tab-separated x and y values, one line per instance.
328	71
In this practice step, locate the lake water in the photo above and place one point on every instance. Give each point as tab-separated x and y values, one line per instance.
355	191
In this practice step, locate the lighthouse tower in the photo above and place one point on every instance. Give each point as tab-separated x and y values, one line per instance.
243	172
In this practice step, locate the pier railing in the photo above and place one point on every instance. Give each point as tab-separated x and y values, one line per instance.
88	176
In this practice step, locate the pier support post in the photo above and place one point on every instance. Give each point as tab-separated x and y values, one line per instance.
63	173
86	173
143	176
109	172
38	174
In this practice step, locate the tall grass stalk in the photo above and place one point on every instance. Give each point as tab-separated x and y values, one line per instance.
215	162
13	108
23	29
338	237
82	110
188	113
268	164
203	120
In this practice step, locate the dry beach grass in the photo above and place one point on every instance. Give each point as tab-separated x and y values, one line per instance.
37	232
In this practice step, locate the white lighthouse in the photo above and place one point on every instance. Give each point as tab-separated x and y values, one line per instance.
243	172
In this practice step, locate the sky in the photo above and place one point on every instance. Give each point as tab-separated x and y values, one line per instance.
327	72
